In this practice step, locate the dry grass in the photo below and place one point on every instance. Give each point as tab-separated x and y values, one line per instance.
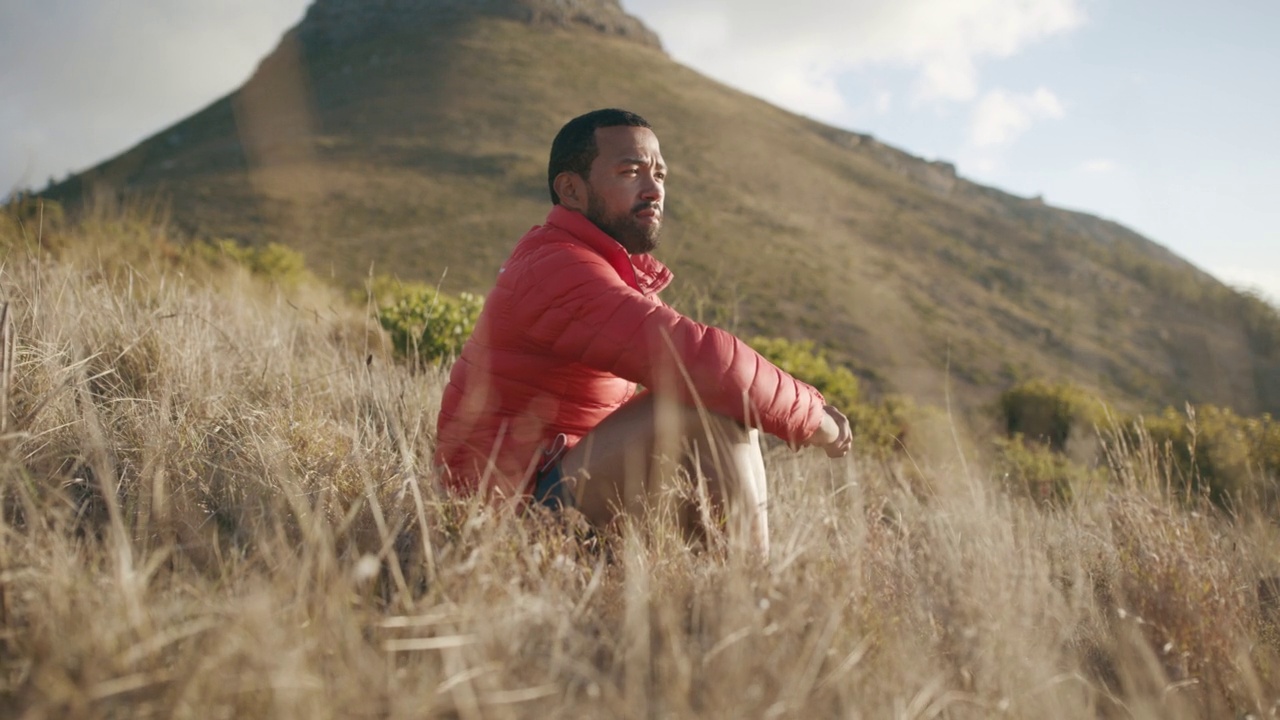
215	505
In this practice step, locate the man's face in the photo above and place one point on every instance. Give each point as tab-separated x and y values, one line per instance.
625	187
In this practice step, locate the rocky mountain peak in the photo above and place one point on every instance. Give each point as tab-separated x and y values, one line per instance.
335	22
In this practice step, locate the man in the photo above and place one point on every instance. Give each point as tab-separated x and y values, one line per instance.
541	406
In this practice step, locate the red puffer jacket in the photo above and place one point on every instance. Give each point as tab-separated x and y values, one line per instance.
572	325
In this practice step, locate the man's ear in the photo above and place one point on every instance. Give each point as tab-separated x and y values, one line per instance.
572	189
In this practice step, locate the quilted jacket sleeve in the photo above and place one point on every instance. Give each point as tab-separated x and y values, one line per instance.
584	312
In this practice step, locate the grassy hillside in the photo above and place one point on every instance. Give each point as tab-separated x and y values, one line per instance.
216	501
420	150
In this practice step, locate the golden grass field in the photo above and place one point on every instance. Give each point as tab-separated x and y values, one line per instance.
217	502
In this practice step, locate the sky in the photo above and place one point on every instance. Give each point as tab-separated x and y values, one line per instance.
1158	114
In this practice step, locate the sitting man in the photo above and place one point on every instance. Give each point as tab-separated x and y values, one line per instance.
542	407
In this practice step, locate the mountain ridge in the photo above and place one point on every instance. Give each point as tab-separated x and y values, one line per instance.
343	21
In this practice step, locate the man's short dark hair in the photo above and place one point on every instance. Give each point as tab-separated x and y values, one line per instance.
574	148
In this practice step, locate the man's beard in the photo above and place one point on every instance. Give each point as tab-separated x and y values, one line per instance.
625	227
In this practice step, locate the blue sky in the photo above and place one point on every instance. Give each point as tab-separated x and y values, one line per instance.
1159	115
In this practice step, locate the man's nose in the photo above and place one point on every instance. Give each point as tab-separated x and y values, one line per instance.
652	190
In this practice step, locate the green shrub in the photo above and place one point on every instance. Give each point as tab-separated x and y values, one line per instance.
800	358
424	323
28	222
878	428
1215	452
274	262
33	214
1033	471
884	427
1049	412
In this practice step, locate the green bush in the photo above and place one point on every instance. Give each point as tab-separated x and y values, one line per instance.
1049	412
273	261
803	360
884	427
1215	452
1032	470
424	323
24	219
878	428
34	213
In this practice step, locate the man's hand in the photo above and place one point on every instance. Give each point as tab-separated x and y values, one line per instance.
834	435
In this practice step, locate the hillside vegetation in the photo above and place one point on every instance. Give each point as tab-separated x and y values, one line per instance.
216	502
416	144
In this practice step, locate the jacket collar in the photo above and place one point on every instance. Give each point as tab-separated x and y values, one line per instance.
642	272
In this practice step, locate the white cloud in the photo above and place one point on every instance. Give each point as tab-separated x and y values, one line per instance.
793	53
1099	166
953	78
983	164
884	102
1000	116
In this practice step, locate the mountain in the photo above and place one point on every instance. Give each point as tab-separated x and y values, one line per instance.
410	137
